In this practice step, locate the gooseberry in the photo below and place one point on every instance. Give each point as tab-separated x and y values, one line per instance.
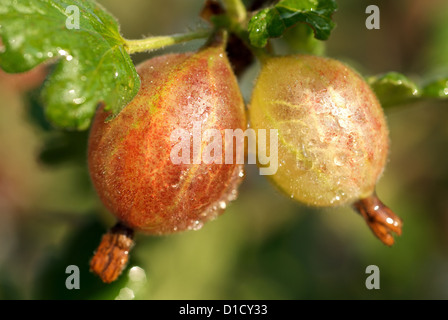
332	135
129	156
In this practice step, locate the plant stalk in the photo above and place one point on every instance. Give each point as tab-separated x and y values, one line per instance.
154	43
236	10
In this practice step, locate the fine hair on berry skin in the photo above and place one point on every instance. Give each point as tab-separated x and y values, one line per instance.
333	136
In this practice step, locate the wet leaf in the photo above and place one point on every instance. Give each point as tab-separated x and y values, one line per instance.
273	22
393	88
90	61
436	89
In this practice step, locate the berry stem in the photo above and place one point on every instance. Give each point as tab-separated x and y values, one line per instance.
154	43
236	10
112	254
241	32
381	220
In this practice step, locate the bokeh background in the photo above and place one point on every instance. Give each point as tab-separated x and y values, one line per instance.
265	246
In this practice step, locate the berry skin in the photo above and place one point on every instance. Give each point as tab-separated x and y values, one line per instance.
332	134
129	156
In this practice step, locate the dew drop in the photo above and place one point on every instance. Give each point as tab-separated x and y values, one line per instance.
222	205
62	52
137	274
125	294
338	197
232	195
339	160
79	100
304	151
342	123
196	225
304	164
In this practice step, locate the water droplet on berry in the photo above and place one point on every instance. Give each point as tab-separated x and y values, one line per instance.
339	160
222	205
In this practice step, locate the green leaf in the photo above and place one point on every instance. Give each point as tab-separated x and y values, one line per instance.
273	22
91	63
393	88
436	89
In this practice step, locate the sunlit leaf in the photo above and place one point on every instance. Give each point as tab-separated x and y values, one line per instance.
91	63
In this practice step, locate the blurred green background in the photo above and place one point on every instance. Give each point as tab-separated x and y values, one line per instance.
265	246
